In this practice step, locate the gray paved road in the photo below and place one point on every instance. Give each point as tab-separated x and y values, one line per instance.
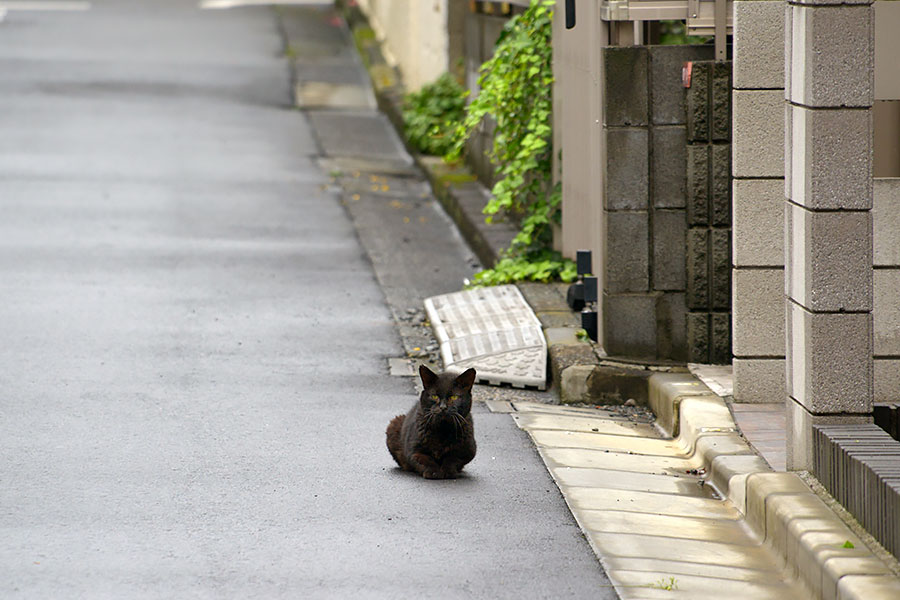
193	382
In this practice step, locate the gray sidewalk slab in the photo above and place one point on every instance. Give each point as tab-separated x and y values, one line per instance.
658	529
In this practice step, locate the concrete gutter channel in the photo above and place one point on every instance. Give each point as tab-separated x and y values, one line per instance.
707	516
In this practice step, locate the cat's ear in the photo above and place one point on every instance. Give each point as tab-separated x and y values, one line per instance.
428	377
466	379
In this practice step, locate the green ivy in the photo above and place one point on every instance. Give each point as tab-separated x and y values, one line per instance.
535	265
430	116
516	93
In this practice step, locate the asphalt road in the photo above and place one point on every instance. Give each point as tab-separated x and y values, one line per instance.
193	379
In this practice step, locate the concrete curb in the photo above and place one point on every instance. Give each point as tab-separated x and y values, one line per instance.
816	546
455	187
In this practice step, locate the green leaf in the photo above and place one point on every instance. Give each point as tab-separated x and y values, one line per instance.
515	95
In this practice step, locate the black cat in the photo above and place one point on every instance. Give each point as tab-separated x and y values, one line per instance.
436	438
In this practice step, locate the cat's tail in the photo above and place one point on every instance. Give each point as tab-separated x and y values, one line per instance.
394	442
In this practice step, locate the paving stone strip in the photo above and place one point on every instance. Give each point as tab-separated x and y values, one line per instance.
699	515
645	505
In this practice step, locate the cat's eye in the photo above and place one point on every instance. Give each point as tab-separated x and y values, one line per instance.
454	397
434	397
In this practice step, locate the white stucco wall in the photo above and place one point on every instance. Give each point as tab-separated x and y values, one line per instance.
414	34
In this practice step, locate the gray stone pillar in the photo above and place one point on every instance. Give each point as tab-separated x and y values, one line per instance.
758	196
829	83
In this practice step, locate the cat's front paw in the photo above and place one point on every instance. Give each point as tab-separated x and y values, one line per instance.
433	474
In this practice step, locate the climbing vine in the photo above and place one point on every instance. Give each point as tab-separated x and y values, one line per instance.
516	93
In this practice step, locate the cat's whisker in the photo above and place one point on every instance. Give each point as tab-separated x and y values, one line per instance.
459	422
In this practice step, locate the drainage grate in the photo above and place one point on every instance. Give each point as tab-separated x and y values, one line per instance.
493	330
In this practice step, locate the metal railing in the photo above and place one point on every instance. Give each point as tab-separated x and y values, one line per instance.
702	17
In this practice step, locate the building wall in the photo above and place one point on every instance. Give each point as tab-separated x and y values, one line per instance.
415	36
665	200
758	206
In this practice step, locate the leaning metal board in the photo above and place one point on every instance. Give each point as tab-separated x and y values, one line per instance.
493	330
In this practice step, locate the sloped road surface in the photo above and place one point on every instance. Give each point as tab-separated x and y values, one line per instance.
193	375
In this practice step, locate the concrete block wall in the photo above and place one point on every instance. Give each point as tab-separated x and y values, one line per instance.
759	190
758	201
886	288
648	205
829	280
708	213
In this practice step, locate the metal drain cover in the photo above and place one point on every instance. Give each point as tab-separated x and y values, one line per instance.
493	330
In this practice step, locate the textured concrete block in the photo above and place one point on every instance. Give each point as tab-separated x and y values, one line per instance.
671	327
627	252
543	297
625	86
720	288
829	258
758	308
667	97
721	101
697	260
563	356
832	56
629	324
758	57
627	170
615	385
698	337
886	312
758	380
720	333
886	222
830	162
669	247
698	184
721	185
758	134
887	380
831	360
573	383
758	222
697	103
800	437
668	167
